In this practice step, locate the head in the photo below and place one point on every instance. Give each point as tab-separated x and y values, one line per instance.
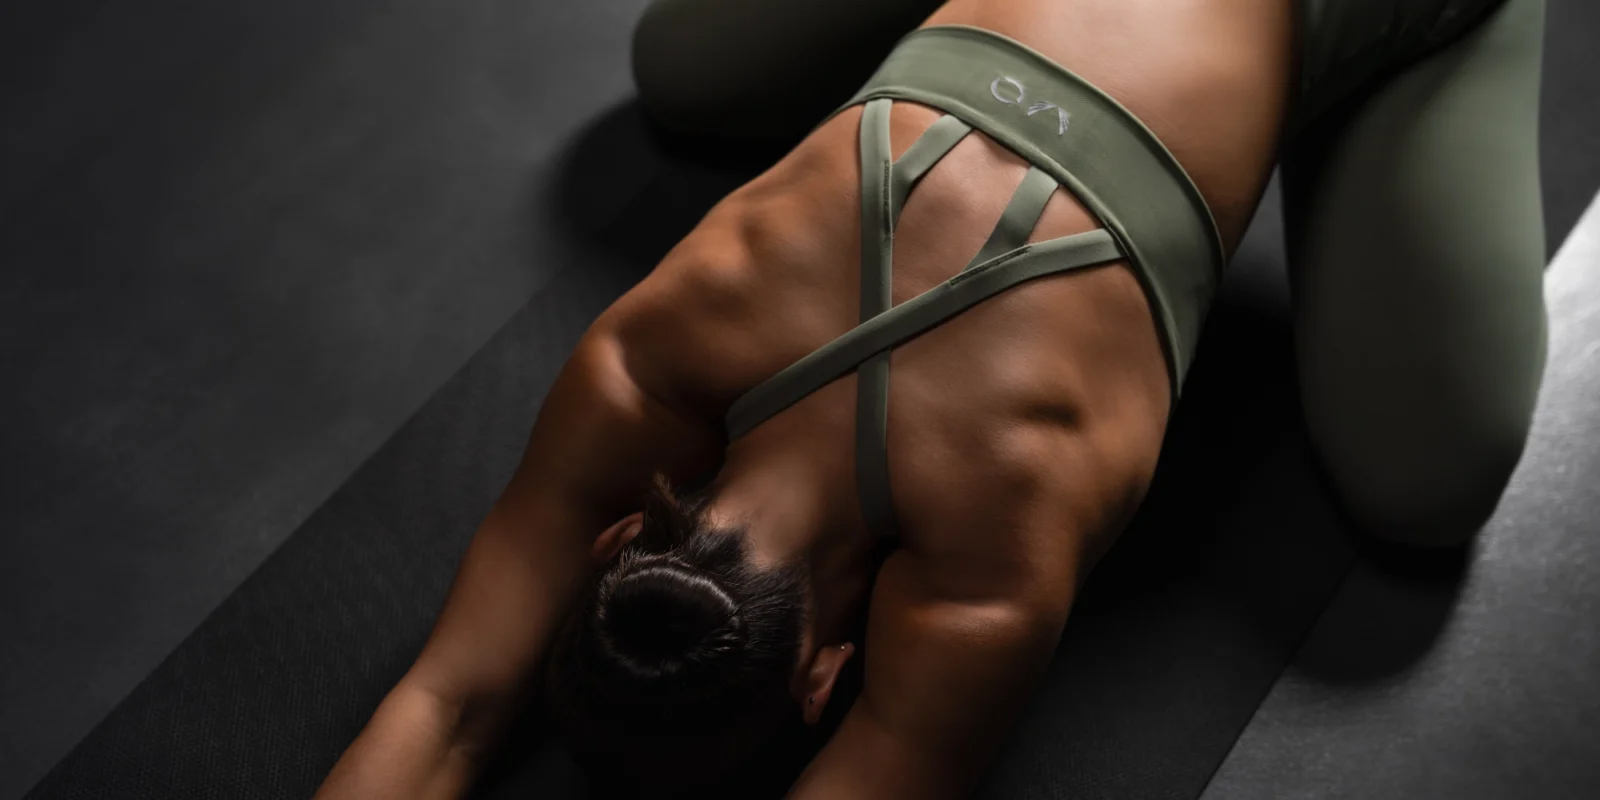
688	654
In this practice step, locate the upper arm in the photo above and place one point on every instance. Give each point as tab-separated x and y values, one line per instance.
596	443
964	621
945	682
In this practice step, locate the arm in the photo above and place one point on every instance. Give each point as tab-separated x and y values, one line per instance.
596	442
945	683
964	621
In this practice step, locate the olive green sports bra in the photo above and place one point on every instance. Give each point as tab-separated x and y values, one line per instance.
1153	217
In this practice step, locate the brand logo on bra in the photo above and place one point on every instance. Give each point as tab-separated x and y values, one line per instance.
1010	91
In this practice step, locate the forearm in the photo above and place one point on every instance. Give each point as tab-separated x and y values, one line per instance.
589	458
428	737
416	747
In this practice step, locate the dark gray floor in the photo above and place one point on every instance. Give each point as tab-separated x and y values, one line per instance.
1504	702
1569	123
242	245
1181	632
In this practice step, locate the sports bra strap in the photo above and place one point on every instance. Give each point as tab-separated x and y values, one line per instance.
962	291
1004	261
877	225
1021	215
939	139
884	189
879	212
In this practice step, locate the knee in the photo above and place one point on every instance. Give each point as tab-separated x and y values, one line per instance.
1420	417
743	70
1446	508
688	80
1427	484
664	76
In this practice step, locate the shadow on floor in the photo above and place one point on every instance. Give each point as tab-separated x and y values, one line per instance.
1238	457
630	189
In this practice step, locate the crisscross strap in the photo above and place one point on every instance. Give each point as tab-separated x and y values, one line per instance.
880	210
1021	214
885	185
934	143
1112	163
914	316
1004	261
877	221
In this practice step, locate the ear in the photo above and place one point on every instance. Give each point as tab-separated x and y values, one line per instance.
822	677
612	539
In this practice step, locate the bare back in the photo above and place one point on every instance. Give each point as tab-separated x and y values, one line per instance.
772	273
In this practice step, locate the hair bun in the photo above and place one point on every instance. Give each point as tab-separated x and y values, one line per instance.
666	619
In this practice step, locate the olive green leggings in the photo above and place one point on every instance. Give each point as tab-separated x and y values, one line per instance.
1414	220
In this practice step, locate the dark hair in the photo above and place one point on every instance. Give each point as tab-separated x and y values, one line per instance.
682	651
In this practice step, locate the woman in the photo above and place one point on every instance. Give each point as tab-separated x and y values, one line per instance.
1024	211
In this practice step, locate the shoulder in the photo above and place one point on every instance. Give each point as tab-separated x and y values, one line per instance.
1025	515
604	431
692	332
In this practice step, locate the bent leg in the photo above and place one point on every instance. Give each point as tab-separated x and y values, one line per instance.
761	68
1417	255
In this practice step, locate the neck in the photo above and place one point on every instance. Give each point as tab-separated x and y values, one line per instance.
789	503
780	497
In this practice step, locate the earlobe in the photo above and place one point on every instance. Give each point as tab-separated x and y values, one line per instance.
611	541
